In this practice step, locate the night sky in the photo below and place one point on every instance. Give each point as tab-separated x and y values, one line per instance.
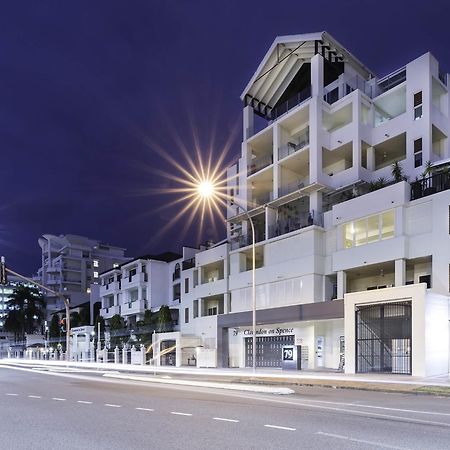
88	89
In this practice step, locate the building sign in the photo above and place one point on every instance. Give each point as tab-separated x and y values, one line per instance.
288	353
263	331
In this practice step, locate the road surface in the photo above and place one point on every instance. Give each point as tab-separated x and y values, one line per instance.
67	409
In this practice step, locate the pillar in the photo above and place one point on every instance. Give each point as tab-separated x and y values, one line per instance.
371	159
341	283
400	272
248	122
271	219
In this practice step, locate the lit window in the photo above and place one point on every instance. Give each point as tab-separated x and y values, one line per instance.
88	290
95	262
115	265
368	230
95	274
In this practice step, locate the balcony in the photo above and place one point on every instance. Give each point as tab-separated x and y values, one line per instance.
135	307
295	145
259	163
292	187
291	103
298	222
107	313
430	185
188	264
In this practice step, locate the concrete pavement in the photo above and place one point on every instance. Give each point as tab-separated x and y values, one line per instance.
80	409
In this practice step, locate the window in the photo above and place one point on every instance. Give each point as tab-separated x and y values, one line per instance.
371	229
95	262
88	290
115	265
418	110
425	279
195	278
212	311
95	274
418	152
85	254
186	285
196	307
186	315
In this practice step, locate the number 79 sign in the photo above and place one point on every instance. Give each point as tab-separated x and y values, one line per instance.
288	354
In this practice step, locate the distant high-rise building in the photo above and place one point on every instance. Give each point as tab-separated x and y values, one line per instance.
71	263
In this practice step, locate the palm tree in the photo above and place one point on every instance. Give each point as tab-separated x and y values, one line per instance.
397	172
26	312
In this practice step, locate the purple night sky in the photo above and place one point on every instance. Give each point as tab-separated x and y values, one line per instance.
86	85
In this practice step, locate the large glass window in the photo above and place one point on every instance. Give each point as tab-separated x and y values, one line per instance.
370	229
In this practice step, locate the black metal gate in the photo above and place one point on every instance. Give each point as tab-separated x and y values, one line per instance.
383	338
268	350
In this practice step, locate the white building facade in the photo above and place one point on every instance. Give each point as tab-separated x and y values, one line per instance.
353	266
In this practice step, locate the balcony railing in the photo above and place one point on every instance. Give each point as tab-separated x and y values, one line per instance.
291	103
430	185
188	264
262	199
292	187
298	222
291	147
243	240
259	163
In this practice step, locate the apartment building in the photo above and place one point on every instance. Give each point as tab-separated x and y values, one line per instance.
345	176
144	283
335	238
71	264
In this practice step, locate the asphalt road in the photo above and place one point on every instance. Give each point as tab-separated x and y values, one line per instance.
81	410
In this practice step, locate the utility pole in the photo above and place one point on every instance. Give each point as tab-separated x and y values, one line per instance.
3	280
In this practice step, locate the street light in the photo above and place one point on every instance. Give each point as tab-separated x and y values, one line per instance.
208	191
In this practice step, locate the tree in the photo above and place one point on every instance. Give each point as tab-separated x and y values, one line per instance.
54	329
397	172
26	312
75	319
164	321
116	327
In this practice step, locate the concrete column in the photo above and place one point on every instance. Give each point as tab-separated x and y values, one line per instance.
370	159
341	283
276	168
248	122
178	354
317	75
315	203
315	119
271	219
400	272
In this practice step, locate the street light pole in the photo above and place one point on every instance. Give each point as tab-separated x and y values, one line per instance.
58	294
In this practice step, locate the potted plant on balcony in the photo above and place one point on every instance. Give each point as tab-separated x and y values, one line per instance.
428	185
397	172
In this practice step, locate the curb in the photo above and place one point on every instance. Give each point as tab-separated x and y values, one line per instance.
207	384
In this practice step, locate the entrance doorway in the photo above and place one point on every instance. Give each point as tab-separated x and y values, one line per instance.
268	350
383	338
168	353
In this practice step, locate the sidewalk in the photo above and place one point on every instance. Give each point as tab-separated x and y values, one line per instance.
383	382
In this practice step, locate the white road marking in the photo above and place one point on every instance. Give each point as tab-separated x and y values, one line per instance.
180	413
113	406
360	441
385	408
34	396
280	428
59	399
223	419
12	395
84	402
145	409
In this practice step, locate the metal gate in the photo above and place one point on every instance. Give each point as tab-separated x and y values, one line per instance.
383	338
268	350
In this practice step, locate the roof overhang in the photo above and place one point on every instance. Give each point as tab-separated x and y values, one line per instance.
282	62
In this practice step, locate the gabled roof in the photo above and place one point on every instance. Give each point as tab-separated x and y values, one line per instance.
284	59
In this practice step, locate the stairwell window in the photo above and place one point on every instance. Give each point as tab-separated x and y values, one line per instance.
418	108
418	152
370	229
186	315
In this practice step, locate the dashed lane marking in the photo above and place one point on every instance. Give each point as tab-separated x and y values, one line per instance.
176	413
144	409
223	419
113	406
34	396
12	395
84	402
278	427
59	399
